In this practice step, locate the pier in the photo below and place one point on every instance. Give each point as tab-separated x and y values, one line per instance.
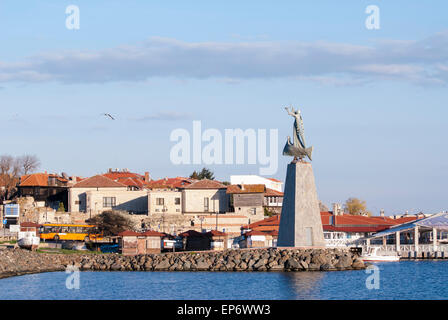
410	252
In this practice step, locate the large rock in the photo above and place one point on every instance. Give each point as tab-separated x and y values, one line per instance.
163	265
292	264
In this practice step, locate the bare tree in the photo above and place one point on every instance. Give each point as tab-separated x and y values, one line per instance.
29	163
6	163
11	168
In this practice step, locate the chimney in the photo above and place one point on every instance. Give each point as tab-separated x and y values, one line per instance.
147	178
382	212
110	170
336	209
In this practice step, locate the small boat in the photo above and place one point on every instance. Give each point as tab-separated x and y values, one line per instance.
372	255
28	240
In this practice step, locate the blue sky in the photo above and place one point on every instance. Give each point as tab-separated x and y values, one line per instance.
373	101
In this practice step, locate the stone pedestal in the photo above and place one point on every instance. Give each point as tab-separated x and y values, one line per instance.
300	222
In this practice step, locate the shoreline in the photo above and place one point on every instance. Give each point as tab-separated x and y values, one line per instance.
18	262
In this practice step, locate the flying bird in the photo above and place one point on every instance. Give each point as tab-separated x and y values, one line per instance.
108	115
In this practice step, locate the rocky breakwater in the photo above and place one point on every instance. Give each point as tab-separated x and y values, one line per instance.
15	262
229	260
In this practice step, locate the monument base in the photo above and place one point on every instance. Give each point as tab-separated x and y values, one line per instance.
300	221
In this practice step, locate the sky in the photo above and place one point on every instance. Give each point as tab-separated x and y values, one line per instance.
373	101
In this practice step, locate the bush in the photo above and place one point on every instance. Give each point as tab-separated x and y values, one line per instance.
111	223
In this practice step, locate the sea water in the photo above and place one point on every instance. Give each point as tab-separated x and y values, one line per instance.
395	280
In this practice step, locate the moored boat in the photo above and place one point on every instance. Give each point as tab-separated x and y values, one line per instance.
28	240
372	255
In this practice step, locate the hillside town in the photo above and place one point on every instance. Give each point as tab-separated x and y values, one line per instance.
183	213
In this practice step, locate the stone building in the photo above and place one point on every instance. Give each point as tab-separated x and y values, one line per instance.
52	189
135	243
100	193
204	197
247	199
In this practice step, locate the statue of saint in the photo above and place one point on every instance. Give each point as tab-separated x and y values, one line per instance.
297	148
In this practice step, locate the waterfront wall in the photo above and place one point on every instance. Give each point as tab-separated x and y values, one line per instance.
19	262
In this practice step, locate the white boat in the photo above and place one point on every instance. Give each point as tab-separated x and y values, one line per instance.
28	240
372	255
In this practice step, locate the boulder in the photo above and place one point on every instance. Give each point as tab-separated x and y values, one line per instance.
163	265
292	264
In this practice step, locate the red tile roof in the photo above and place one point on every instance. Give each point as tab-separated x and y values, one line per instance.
38	179
192	233
129	233
121	175
169	183
275	180
98	181
206	184
216	233
151	233
245	188
273	193
342	223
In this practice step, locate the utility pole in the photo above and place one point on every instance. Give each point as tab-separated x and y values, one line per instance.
216	212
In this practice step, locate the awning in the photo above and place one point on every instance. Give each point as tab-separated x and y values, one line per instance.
438	221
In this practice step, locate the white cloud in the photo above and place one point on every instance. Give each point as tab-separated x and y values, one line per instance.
419	62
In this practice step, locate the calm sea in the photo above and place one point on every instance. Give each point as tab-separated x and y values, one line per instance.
399	280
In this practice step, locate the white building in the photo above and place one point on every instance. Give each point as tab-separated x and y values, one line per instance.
270	183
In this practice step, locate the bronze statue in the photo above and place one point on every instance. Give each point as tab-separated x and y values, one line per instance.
297	148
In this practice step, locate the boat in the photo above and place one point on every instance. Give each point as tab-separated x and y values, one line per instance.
372	255
28	240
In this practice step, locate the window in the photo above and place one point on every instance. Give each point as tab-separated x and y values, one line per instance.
176	200
253	210
206	204
109	202
160	201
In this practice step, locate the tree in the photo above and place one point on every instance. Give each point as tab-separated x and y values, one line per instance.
61	207
269	213
323	207
194	175
355	206
204	174
29	163
111	223
9	175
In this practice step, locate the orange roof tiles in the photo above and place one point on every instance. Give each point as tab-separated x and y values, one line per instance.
245	188
98	181
343	223
206	184
172	183
216	233
120	175
273	193
38	179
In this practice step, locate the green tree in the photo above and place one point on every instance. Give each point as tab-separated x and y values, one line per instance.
268	213
203	174
61	207
111	223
